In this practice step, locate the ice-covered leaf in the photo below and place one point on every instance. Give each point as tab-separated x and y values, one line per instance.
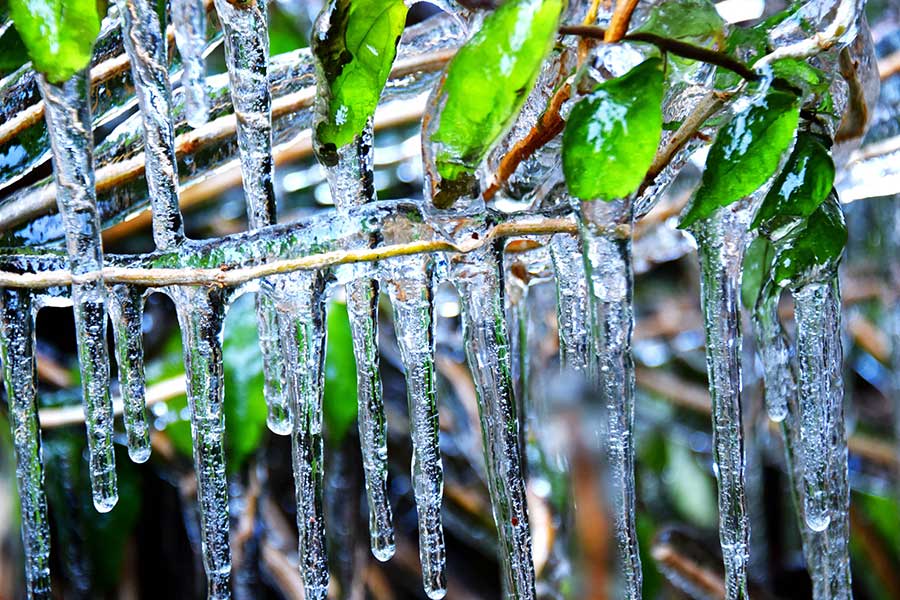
686	19
746	153
340	407
801	75
756	271
59	34
802	186
813	248
484	88
354	43
612	134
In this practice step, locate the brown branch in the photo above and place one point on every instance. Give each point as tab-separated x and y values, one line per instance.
621	18
889	65
856	118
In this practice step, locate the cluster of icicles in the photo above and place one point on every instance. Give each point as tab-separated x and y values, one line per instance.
594	276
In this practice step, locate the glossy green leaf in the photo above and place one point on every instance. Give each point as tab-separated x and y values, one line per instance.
746	153
484	88
59	34
612	134
684	19
354	43
756	271
340	407
14	53
800	188
813	248
801	75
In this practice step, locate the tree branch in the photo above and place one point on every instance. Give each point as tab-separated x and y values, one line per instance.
621	18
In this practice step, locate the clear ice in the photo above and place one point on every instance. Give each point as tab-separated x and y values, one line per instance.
189	20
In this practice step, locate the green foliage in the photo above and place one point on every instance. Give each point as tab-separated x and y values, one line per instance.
340	407
354	56
746	153
801	75
484	88
59	34
802	186
686	19
813	248
612	134
14	53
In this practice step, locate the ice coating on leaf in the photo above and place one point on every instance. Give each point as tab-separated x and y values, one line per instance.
146	49
606	238
68	116
247	57
19	378
189	21
201	314
409	283
721	242
478	278
126	311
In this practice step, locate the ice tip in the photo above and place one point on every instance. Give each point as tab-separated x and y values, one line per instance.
279	426
383	552
818	523
139	455
106	503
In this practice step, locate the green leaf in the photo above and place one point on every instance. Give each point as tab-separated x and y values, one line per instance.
686	19
354	45
746	153
802	186
59	34
340	405
756	270
484	88
813	248
612	134
14	53
802	75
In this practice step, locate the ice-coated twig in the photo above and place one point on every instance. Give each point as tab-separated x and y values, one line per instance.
409	282
247	57
17	354
126	311
189	21
606	238
201	314
352	184
479	280
301	323
721	241
145	46
68	115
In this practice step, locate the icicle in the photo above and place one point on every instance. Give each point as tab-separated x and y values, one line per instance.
68	115
351	183
247	57
478	279
606	235
821	396
201	314
572	302
721	242
17	354
145	46
189	20
301	322
409	282
126	311
774	354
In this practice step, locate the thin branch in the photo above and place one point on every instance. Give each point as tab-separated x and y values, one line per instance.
621	18
889	65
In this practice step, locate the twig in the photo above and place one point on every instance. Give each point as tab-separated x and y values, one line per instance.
818	42
621	18
855	119
694	573
889	65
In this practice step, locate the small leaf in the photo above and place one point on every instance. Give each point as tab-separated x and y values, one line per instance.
686	19
801	75
14	53
485	85
813	248
746	153
59	34
355	42
802	186
340	407
756	270
612	134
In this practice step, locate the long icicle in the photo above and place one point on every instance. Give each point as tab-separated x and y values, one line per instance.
573	311
774	354
17	354
126	310
68	113
247	56
201	314
409	282
721	244
479	280
352	184
145	46
606	236
189	21
301	322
